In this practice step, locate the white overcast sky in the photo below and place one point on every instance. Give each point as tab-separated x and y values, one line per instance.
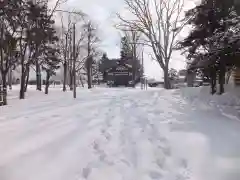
103	13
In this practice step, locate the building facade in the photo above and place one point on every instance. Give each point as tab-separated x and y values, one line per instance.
124	72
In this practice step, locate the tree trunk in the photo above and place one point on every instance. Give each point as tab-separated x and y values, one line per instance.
47	82
213	80
134	65
22	86
89	78
26	78
89	59
71	80
64	76
81	81
221	80
38	77
74	63
4	90
10	79
1	95
70	64
65	66
166	79
89	73
229	73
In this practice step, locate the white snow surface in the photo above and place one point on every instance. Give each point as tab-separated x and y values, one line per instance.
119	134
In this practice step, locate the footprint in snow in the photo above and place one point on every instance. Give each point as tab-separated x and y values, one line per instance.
183	163
161	162
107	136
96	146
155	175
103	131
55	116
86	172
102	156
125	162
167	151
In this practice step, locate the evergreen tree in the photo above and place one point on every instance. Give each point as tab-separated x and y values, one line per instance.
125	48
8	40
213	42
26	30
52	63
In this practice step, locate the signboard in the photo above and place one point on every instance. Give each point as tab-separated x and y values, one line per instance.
121	68
121	73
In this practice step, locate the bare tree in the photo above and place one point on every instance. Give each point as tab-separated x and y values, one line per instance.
89	51
85	46
77	18
160	22
64	46
133	38
74	61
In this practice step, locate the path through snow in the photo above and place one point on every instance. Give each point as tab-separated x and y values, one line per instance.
117	134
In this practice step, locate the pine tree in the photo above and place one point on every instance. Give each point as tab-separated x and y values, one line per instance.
8	40
52	63
126	51
214	38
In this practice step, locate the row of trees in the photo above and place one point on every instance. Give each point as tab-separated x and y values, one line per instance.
213	47
27	37
30	39
86	48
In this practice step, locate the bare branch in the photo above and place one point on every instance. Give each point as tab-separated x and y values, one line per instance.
158	21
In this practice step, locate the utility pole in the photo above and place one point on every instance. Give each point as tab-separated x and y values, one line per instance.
74	63
70	62
3	91
65	64
89	59
133	64
10	78
142	73
1	53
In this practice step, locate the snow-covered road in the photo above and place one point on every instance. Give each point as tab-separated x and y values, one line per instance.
117	134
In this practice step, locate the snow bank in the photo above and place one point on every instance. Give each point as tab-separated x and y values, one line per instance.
230	98
228	103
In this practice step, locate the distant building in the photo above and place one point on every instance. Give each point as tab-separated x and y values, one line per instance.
120	74
120	71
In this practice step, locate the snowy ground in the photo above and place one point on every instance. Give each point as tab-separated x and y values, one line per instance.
117	134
